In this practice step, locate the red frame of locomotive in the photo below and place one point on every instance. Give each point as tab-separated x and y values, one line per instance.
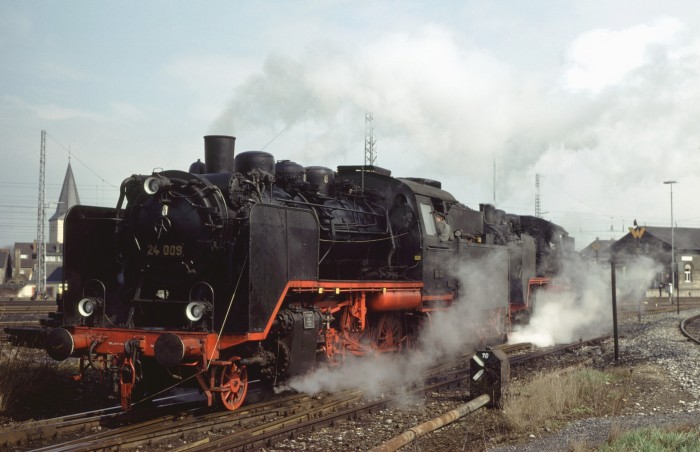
228	377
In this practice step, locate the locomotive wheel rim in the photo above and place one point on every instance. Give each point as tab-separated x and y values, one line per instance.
234	381
388	333
410	344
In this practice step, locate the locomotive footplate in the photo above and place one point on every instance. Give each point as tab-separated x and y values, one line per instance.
63	343
227	378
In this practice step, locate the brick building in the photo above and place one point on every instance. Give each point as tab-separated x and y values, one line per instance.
655	242
25	256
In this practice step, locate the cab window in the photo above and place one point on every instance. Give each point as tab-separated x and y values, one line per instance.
428	221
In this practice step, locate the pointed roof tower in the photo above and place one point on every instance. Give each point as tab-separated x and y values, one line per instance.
69	195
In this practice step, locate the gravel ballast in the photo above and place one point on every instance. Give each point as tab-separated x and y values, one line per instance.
666	393
656	345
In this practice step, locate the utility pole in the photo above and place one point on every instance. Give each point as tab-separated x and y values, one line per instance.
494	180
538	205
370	152
673	254
40	275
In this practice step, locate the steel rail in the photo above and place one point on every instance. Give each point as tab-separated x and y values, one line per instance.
292	426
520	359
180	425
54	427
690	328
133	430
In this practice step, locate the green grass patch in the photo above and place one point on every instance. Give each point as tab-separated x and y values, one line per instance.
678	439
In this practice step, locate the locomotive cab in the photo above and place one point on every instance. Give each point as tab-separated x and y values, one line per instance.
459	268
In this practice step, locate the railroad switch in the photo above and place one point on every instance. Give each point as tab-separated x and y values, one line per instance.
489	372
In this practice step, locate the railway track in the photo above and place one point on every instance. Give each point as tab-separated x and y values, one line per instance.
111	427
114	426
63	426
690	328
447	379
253	426
28	306
201	423
13	312
147	428
553	350
652	306
24	316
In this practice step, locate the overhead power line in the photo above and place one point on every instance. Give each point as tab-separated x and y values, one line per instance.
71	155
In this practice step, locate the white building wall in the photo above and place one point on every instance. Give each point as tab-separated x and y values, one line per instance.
56	231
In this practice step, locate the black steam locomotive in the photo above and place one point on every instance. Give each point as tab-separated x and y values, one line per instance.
246	268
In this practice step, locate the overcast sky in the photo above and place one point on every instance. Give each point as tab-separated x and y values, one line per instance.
602	99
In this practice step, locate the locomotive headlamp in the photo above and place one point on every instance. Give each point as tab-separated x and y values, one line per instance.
88	306
196	310
153	184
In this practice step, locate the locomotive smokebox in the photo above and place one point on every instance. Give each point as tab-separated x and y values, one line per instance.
218	153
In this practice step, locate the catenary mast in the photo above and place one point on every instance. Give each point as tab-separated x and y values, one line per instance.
370	152
538	201
40	274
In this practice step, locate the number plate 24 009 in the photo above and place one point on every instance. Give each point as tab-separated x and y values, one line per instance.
165	250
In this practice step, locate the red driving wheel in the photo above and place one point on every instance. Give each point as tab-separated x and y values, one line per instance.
234	382
388	333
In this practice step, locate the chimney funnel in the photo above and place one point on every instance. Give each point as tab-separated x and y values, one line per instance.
218	153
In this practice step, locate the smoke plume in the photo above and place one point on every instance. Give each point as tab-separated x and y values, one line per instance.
578	303
448	333
615	118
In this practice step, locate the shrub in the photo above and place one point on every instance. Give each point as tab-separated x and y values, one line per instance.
546	401
32	385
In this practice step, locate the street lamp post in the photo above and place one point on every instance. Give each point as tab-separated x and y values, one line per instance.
673	251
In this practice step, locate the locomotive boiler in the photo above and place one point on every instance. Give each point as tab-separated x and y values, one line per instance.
244	267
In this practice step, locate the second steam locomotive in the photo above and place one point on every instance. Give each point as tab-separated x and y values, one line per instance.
249	268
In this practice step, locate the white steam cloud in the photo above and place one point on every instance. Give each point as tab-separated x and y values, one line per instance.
578	303
448	333
611	122
603	129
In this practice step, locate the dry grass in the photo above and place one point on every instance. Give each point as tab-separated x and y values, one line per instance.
579	446
547	401
24	373
33	386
